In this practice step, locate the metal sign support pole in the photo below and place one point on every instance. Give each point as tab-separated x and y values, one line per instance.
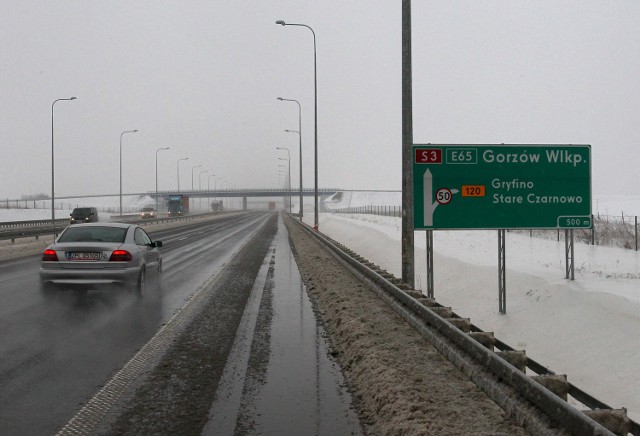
569	259
502	276
430	263
572	257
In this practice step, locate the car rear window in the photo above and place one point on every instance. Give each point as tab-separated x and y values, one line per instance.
81	211
93	234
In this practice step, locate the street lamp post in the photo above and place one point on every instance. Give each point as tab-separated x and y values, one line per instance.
315	116
230	187
299	132
200	186
185	158
126	131
160	149
209	184
215	187
289	170
285	169
224	181
53	192
193	168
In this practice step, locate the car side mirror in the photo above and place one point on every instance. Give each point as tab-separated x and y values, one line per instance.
157	244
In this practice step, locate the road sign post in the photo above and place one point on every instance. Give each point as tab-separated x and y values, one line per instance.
501	187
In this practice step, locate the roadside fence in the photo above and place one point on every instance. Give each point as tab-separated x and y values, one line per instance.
607	230
395	211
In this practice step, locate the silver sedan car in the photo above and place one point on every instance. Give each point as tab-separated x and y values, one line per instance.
93	255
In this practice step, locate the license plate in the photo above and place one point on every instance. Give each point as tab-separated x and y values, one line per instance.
83	256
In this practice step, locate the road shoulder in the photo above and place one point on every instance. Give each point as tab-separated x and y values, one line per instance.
404	386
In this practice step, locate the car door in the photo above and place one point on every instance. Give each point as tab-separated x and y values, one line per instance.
150	253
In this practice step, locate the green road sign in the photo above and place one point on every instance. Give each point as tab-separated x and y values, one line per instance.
502	186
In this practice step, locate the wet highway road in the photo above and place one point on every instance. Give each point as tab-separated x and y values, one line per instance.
55	353
278	378
246	356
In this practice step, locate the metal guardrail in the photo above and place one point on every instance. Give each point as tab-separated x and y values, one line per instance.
410	308
32	223
24	229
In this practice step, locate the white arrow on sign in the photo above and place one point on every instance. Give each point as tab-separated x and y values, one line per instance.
429	207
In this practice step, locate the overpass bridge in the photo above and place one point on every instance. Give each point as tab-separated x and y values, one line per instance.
244	193
205	193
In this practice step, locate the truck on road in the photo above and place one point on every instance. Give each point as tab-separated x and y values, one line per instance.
178	205
217	206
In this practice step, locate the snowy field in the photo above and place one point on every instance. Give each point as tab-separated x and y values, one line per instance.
588	328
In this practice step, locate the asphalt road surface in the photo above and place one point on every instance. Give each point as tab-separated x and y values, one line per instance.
251	360
55	353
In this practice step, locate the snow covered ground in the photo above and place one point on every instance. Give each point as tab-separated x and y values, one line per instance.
588	328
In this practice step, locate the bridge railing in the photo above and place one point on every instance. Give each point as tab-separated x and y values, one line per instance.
246	192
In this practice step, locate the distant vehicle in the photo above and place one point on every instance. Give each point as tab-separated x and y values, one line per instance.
217	206
94	255
272	205
148	212
178	205
84	215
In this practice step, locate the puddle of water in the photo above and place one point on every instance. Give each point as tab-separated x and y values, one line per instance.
280	378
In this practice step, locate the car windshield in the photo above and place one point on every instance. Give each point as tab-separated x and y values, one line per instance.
81	211
148	209
93	234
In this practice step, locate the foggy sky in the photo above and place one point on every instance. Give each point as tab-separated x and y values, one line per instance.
202	78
